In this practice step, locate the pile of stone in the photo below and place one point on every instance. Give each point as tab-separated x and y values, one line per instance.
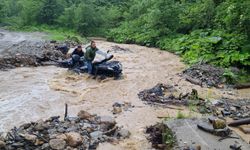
19	60
205	75
30	53
85	131
235	109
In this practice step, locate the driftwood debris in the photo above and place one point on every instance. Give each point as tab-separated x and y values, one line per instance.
239	122
66	112
219	132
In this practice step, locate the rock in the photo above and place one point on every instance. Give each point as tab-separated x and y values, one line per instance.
40	126
18	144
62	136
72	129
107	120
84	115
219	124
57	144
29	137
117	110
74	139
232	108
124	133
45	146
61	130
26	125
39	142
2	144
96	134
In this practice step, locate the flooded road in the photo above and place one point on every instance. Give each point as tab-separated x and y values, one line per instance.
30	94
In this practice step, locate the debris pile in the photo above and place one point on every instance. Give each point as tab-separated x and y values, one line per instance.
204	75
216	127
161	136
19	60
235	109
85	131
165	95
29	53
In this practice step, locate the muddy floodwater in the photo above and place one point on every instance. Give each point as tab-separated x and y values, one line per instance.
30	94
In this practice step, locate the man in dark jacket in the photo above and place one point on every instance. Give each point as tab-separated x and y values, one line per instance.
77	54
90	55
78	51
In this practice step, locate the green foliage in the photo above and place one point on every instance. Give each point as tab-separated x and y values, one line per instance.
212	46
89	17
230	76
180	115
49	11
213	31
169	138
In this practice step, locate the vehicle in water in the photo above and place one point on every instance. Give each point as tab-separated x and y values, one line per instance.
102	67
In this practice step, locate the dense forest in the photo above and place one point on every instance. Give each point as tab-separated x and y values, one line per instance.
211	31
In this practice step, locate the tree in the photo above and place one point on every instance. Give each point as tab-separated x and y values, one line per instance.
49	11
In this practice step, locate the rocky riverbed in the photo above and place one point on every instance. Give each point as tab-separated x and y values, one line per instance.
85	131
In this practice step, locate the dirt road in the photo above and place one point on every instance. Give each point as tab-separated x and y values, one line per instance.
28	94
8	38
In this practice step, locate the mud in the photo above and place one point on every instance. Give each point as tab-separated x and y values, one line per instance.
28	94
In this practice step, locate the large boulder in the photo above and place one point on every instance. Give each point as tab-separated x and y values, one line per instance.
84	115
29	137
2	144
74	139
57	144
107	120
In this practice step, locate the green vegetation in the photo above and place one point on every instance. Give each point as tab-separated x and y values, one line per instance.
169	138
180	115
212	31
88	17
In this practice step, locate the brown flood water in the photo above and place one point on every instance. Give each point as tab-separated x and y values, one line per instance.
30	94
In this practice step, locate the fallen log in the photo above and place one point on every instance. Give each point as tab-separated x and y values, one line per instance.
239	122
242	86
193	81
218	132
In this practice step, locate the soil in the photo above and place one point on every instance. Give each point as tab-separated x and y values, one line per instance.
30	94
